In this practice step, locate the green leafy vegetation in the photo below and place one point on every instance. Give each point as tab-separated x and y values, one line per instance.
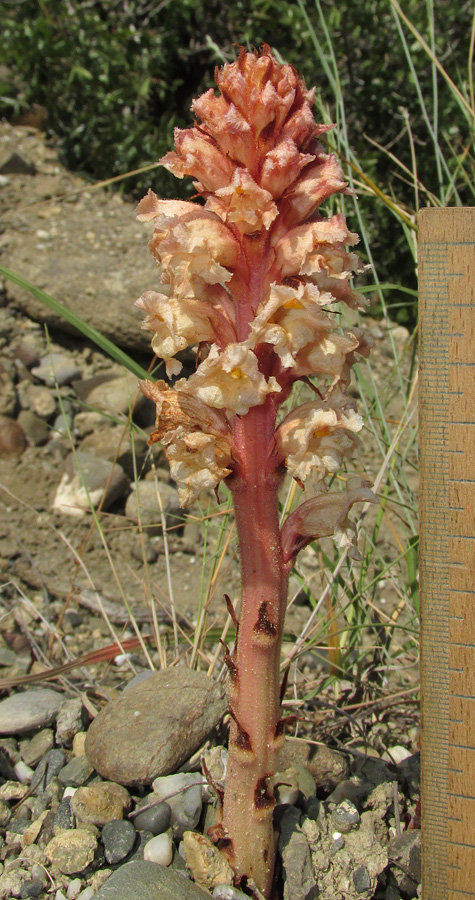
115	77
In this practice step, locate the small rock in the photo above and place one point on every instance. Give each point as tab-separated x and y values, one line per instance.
227	892
35	428
100	803
16	164
144	503
29	710
13	790
74	888
345	817
69	721
299	880
62	425
63	817
48	768
88	479
156	819
79	743
405	852
305	781
12	438
183	794
159	849
118	838
23	772
31	889
328	767
5	814
155	726
119	395
312	808
72	851
76	772
40	744
56	368
207	864
31	833
146	881
396	754
11	883
128	449
362	880
37	398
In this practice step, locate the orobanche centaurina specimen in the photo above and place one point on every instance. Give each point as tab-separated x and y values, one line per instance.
253	275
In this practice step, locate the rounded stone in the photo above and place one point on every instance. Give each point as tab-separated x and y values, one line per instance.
139	880
345	817
100	803
72	851
118	838
159	849
328	767
29	710
155	726
76	772
12	438
156	819
362	880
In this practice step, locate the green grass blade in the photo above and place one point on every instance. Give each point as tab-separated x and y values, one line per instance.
87	330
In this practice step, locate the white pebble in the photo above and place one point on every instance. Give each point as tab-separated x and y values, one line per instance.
159	849
69	792
74	887
23	772
336	836
396	754
86	894
59	896
227	892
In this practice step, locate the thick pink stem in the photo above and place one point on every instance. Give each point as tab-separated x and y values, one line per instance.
256	732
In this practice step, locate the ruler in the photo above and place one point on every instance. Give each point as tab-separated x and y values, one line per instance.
447	551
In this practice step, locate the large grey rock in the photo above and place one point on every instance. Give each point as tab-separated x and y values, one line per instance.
149	881
154	727
29	710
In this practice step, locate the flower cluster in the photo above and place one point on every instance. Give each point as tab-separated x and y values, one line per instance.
252	274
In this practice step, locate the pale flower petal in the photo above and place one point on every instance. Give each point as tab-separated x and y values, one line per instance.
314	186
291	319
164	212
295	252
230	380
282	166
316	437
198	462
176	324
244	203
198	245
198	155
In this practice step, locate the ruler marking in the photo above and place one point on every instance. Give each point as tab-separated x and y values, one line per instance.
447	567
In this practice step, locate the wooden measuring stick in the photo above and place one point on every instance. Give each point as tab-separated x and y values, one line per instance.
447	551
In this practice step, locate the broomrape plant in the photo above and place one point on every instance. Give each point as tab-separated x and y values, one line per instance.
253	276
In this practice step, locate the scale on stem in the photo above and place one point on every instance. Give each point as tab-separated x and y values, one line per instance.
254	275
